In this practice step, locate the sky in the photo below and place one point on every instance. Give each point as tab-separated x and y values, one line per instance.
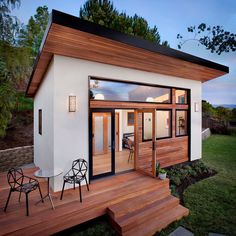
171	17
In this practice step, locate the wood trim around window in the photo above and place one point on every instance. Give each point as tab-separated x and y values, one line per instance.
40	121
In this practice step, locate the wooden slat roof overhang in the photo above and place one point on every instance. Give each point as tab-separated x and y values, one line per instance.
71	36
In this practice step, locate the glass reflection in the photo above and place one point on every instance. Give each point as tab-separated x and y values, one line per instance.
181	122
119	91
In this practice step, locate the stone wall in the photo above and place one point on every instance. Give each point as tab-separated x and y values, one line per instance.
15	157
206	133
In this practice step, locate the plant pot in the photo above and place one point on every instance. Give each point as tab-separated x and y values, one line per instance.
162	176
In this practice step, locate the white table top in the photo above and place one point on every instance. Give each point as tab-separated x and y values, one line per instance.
47	173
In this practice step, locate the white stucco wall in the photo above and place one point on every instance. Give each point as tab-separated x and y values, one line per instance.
70	130
43	144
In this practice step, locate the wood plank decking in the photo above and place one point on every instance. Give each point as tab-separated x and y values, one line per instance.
136	204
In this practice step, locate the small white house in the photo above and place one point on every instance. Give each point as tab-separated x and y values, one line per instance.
119	102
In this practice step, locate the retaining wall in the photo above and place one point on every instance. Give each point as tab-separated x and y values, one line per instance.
15	157
206	133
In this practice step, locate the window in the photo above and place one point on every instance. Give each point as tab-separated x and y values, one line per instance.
120	91
163	124
147	126
130	118
40	121
181	122
180	96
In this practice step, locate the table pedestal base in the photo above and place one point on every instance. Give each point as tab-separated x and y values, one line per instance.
48	195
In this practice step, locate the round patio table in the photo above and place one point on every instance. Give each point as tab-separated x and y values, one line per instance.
48	174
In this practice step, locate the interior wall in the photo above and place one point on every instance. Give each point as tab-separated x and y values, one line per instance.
162	126
125	126
123	123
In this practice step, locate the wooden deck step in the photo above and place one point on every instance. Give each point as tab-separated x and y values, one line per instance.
145	214
148	197
158	222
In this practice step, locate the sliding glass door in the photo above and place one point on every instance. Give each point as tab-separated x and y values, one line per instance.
102	143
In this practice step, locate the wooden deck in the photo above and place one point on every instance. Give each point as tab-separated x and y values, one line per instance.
136	204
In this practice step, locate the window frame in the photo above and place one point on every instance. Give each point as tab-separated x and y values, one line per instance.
40	121
134	83
187	97
187	120
171	133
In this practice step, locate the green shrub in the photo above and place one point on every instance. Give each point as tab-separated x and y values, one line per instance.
178	173
23	103
232	131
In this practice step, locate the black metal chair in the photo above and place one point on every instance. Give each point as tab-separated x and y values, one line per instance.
22	184
76	175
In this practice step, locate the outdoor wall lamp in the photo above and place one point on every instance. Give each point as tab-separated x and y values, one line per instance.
72	103
196	107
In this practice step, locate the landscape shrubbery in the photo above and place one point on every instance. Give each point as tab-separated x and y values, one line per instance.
183	175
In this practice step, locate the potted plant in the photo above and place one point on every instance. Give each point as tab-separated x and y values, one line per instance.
162	174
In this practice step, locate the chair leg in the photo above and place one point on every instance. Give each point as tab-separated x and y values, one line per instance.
19	197
27	204
74	185
80	195
129	156
9	195
40	193
87	183
62	190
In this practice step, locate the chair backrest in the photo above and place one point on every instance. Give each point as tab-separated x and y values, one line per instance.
79	167
130	144
15	177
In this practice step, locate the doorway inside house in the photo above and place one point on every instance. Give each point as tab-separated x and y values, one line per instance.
112	141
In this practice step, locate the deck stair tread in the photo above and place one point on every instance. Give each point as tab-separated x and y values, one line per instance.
158	222
147	212
138	202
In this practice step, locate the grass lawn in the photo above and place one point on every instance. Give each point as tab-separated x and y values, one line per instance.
212	202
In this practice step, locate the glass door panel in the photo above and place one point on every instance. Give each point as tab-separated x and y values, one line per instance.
146	142
102	143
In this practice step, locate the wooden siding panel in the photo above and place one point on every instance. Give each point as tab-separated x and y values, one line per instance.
172	151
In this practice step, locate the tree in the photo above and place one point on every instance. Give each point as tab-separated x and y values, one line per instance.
7	100
223	114
9	25
207	109
8	29
215	38
32	35
104	13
